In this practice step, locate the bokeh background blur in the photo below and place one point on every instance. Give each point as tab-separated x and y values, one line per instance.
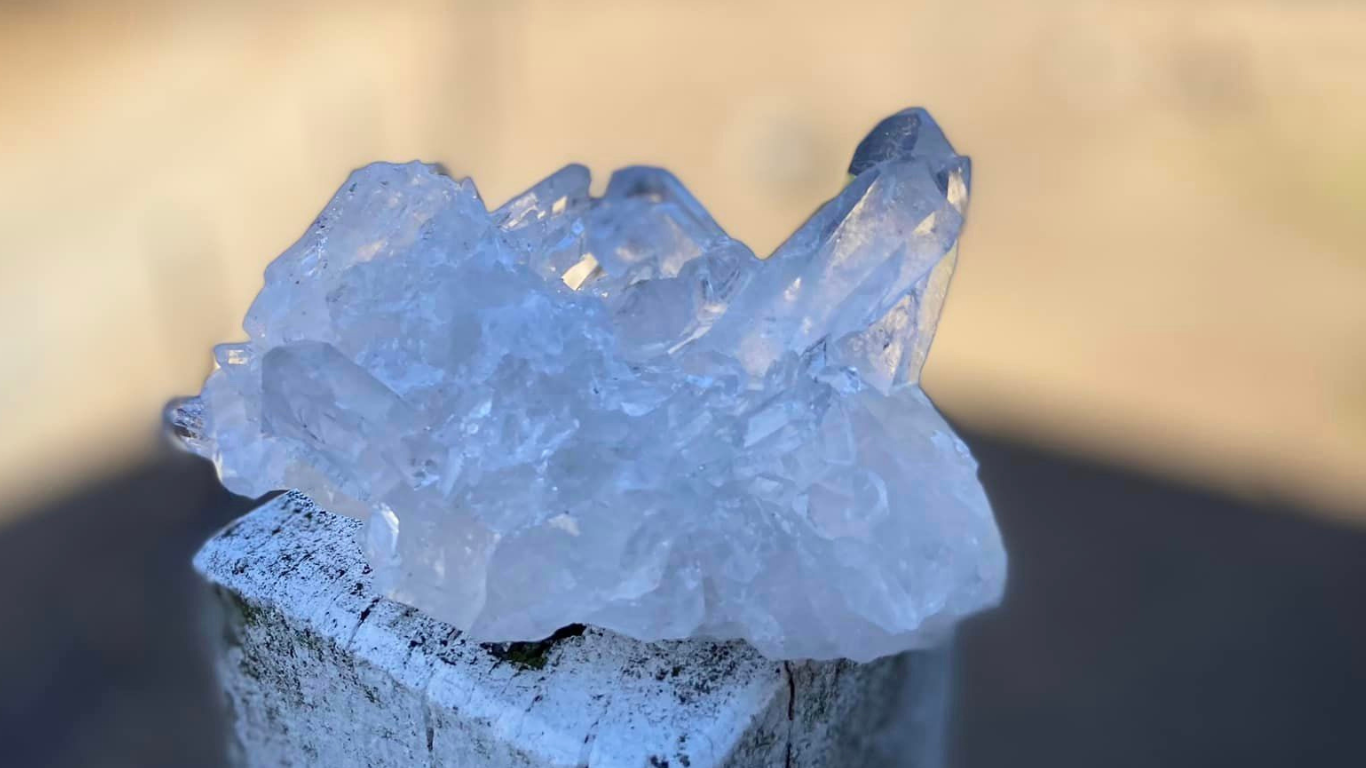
1159	303
1165	261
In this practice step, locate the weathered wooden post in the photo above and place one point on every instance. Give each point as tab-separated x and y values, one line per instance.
319	670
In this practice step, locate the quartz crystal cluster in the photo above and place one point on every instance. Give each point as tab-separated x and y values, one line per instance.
605	410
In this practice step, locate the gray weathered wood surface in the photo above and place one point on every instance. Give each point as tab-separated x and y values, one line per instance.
320	670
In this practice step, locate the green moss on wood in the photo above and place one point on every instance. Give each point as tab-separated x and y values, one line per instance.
534	654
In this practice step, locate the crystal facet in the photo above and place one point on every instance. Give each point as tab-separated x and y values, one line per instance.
607	411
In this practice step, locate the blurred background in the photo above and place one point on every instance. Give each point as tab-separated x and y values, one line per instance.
1155	342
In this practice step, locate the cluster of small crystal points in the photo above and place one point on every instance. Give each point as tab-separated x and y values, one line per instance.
607	411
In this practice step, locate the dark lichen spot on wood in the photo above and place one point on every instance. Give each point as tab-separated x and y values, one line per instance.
764	740
658	762
242	611
534	654
314	643
365	614
248	667
718	666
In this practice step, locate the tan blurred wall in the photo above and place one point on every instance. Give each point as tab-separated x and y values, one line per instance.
1164	261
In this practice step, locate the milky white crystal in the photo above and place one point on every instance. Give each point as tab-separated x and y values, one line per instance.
607	411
